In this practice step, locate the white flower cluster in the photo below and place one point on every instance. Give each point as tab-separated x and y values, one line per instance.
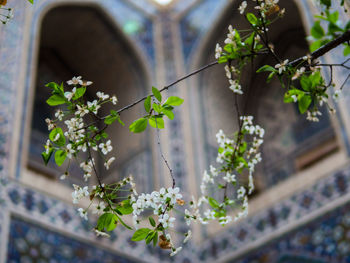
312	115
266	7
160	202
223	177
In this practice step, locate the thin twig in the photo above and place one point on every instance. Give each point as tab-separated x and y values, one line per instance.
345	81
168	86
162	155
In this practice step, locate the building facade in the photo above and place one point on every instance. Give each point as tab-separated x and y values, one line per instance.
300	211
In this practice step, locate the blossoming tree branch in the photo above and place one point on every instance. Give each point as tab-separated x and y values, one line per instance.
78	131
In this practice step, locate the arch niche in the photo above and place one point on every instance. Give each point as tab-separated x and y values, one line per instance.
291	143
80	40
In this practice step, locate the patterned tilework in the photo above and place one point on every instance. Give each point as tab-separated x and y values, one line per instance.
45	210
29	242
263	224
11	37
326	239
48	211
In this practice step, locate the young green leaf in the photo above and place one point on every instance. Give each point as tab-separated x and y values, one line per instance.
317	31
140	234
168	113
138	125
79	93
106	221
157	94
252	19
155	238
60	157
304	103
157	107
156	122
57	136
266	68
152	222
47	156
147	104
213	203
55	100
174	101
150	236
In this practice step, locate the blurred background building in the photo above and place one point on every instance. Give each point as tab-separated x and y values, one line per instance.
300	211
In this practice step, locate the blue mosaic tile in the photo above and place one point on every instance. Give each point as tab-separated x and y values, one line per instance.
29	242
325	239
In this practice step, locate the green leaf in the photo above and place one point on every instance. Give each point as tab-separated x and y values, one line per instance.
333	17
156	122
316	79
222	59
125	207
305	82
112	117
266	68
249	40
304	103
333	28
213	203
107	221
150	237
56	89
152	222
140	234
168	113
31	1
252	19
61	141
157	107
47	156
138	126
270	76
316	45
157	94
79	93
60	157
346	51
174	101
55	100
317	31
147	104
155	239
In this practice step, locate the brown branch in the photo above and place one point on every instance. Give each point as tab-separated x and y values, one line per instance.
324	49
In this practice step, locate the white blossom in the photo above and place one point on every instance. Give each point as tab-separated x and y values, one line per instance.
188	235
242	7
83	213
101	233
218	51
75	81
108	163
102	96
106	147
282	66
175	251
59	114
